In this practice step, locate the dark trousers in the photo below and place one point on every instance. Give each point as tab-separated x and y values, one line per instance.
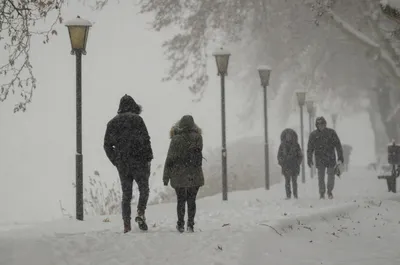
293	179
139	173
321	179
391	183
186	195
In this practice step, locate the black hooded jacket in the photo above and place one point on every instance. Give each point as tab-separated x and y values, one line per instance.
323	144
290	155
126	139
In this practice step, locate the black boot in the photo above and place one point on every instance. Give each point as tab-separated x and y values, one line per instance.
180	227
190	227
127	226
141	220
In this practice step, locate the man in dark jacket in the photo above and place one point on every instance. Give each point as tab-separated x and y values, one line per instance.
183	168
127	145
323	141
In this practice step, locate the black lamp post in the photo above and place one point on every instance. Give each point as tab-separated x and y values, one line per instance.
78	32
301	98
222	60
264	73
311	116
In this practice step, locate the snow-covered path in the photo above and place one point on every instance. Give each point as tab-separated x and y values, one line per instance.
368	236
235	232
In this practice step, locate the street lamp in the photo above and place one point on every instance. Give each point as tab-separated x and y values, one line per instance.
78	33
264	73
311	115
222	60
301	98
334	117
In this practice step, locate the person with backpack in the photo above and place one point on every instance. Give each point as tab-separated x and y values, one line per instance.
128	147
290	158
323	142
183	168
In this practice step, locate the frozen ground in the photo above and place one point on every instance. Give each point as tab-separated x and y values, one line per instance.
360	226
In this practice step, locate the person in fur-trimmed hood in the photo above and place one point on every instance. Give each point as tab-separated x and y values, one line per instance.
290	157
183	168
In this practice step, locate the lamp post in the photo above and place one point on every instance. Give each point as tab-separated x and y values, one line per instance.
222	60
78	33
264	73
301	98
311	114
334	117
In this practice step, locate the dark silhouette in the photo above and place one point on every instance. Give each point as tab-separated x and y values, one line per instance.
127	145
290	158
183	168
323	141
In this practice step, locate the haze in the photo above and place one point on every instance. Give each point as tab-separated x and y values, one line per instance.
37	155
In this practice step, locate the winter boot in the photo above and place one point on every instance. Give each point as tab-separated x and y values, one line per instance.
141	220
322	196
190	228
127	226
180	228
330	196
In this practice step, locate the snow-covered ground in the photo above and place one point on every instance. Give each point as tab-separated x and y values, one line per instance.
360	226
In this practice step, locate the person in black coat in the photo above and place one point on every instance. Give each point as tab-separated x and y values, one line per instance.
323	142
128	147
290	158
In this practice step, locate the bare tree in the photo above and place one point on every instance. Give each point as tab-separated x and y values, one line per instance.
21	21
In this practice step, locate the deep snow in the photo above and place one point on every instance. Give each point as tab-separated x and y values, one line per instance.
239	231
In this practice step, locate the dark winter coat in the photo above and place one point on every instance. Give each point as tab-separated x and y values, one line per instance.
186	142
289	154
127	141
323	144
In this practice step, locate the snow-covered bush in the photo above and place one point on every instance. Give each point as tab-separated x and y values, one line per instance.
100	198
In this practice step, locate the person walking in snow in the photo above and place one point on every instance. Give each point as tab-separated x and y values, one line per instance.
347	149
290	157
128	147
323	142
183	168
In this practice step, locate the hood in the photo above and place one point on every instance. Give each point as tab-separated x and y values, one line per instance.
294	137
320	120
128	104
185	124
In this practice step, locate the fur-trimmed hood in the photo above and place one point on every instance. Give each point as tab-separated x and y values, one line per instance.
185	124
292	133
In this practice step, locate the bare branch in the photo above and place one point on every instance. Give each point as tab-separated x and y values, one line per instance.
17	28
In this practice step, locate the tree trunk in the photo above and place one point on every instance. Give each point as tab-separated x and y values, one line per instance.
381	138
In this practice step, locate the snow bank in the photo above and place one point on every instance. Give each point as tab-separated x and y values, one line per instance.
226	230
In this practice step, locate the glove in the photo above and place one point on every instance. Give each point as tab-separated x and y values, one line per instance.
310	163
340	161
165	183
